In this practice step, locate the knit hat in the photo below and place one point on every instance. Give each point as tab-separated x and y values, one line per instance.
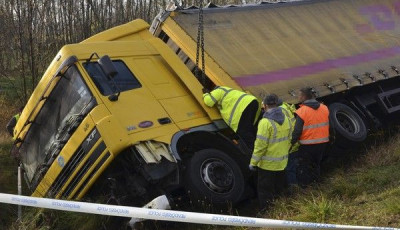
271	99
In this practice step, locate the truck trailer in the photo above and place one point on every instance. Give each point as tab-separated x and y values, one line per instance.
121	113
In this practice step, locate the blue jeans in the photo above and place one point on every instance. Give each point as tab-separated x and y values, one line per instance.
291	169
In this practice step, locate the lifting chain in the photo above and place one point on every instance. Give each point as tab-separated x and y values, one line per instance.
200	73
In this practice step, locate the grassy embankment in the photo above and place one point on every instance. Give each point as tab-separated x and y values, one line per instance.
8	166
363	188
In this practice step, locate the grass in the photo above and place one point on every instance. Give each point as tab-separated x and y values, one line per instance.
8	165
366	192
8	180
318	208
40	219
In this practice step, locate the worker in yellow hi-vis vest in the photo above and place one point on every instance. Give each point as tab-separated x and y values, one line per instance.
238	109
271	151
13	121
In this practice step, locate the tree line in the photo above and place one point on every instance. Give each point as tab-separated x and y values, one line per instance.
32	31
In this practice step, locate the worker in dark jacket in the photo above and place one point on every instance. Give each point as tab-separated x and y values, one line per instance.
271	151
312	132
238	109
13	121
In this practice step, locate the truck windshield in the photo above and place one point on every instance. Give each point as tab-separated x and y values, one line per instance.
61	113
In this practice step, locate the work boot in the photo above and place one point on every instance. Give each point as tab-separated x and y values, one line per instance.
293	189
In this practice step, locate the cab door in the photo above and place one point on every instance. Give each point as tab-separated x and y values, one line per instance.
167	87
136	109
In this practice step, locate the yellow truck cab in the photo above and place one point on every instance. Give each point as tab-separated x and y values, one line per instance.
123	106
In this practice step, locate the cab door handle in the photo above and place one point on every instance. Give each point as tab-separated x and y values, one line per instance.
164	120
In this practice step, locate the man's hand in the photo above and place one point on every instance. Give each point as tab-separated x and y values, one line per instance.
252	168
205	90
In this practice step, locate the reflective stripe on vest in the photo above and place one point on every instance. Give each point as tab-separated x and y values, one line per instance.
316	125
267	158
274	127
234	107
211	96
291	120
274	140
226	93
314	141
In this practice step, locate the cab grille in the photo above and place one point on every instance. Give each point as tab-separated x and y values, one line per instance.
98	166
74	161
87	165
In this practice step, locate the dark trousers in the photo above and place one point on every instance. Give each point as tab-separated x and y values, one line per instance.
270	185
246	129
291	168
309	163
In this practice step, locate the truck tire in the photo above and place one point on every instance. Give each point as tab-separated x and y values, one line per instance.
347	125
214	177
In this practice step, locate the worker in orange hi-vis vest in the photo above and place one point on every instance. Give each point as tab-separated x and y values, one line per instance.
312	132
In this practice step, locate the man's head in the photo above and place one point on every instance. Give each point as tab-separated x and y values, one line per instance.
306	94
271	101
20	109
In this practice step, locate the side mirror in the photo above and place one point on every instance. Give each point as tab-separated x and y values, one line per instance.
107	66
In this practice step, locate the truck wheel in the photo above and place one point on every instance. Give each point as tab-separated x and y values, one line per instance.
347	124
214	177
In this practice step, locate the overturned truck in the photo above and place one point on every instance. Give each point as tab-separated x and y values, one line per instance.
121	113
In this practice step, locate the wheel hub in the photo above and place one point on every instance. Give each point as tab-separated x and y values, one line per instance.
218	176
347	122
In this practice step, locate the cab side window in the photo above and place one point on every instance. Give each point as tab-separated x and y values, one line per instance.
124	80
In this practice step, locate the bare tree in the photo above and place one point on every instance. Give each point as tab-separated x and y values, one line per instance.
32	31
